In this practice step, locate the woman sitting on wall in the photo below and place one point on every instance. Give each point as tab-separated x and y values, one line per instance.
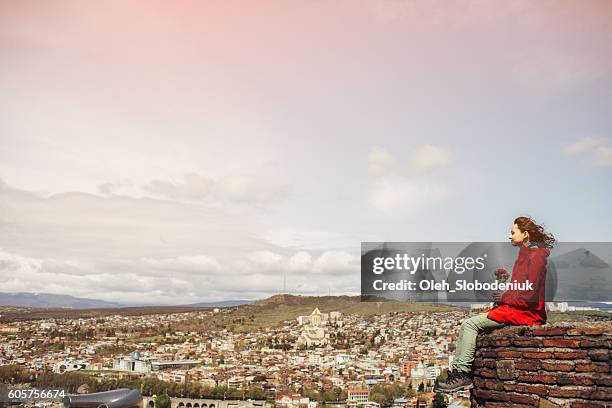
525	307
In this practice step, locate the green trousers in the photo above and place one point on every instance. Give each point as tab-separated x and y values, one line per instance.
466	342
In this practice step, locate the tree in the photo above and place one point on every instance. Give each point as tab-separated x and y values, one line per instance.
409	392
14	374
379	398
162	401
421	387
327	395
439	401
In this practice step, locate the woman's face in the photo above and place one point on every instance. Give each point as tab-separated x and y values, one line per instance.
517	237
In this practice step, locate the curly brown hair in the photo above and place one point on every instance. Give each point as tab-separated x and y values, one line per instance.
536	231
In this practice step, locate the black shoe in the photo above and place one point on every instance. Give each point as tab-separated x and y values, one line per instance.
456	381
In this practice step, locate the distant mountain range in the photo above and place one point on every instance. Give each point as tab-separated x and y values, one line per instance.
582	275
49	300
223	303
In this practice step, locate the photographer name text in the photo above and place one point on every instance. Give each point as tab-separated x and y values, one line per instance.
459	285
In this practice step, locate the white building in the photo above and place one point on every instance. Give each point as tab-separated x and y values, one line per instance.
293	400
135	362
358	396
323	318
314	333
557	306
70	365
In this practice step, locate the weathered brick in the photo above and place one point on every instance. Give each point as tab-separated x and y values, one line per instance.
566	392
602	379
500	342
526	342
482	393
478	362
509	354
585	331
499	396
592	367
536	389
596	343
599	355
576	379
485	372
554	331
526	388
510	385
588	404
570	343
527	365
479	382
544	403
482	342
537	378
489	354
537	354
490	363
557	365
570	355
505	369
494	385
524	399
600	393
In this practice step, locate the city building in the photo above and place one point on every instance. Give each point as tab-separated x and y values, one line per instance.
358	396
322	318
135	362
314	333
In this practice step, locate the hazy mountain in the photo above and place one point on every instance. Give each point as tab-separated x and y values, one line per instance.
48	300
223	303
25	299
581	275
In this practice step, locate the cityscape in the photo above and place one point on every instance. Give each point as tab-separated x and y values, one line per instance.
349	359
326	357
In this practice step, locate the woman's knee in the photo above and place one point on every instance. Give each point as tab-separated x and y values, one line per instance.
470	324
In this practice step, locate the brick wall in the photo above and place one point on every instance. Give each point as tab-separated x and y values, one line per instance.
556	365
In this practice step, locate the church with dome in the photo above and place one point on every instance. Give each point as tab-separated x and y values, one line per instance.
315	328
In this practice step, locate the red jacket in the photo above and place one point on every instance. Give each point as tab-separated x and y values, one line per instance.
525	306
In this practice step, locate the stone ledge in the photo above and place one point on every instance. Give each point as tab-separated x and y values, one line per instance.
555	365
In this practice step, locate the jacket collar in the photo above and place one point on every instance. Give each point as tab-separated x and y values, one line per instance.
534	245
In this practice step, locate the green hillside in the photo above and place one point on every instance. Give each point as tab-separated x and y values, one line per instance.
279	308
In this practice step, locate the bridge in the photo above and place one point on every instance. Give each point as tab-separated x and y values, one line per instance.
147	402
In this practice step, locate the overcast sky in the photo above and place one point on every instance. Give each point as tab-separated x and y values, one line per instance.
199	151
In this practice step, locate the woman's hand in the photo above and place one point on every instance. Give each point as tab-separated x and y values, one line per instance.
497	297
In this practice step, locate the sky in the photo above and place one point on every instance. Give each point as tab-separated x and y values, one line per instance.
163	152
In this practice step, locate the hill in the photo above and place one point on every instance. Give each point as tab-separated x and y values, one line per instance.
278	308
262	313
